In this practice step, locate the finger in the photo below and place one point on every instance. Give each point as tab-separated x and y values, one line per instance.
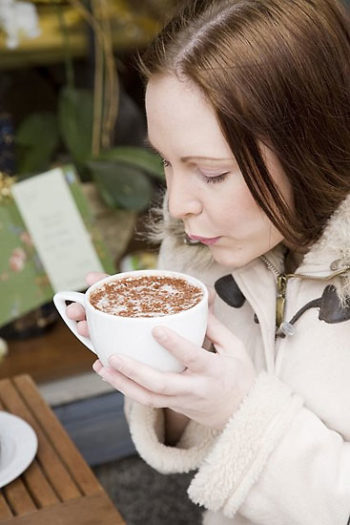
221	336
76	312
211	298
132	390
83	328
165	383
93	277
192	356
97	366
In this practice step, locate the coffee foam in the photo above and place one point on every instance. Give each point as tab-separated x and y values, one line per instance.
145	296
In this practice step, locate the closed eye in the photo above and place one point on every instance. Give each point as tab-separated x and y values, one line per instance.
214	179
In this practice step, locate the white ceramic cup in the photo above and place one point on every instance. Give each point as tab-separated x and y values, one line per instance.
132	336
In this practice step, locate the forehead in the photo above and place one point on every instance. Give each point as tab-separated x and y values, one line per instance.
179	115
169	97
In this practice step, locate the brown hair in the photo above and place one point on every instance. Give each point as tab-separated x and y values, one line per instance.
277	71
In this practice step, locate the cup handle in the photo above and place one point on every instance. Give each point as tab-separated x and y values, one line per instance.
59	300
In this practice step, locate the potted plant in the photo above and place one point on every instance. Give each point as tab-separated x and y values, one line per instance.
119	181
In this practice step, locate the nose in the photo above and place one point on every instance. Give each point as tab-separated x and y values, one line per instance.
182	199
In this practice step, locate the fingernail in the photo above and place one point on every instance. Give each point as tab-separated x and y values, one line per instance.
96	365
160	333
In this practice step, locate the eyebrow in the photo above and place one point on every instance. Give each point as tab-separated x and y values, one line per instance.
188	158
212	159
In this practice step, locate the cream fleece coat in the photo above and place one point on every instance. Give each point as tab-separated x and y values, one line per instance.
284	456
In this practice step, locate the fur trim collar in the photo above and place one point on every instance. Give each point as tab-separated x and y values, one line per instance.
332	251
335	240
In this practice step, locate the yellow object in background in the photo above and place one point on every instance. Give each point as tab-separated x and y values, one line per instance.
130	27
140	260
3	348
6	184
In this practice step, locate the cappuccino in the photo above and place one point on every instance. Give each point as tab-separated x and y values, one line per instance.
145	296
123	309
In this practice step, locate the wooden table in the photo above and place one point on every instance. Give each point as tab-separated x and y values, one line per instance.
53	355
58	488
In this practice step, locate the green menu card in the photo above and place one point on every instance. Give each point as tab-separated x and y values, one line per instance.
48	241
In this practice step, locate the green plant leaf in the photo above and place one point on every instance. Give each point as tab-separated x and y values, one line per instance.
75	114
139	157
36	139
121	186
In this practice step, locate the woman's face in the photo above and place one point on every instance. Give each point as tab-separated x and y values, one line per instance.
206	189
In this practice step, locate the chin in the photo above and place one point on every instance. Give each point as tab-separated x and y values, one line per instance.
230	258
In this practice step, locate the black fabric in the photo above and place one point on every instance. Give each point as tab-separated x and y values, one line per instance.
227	289
331	310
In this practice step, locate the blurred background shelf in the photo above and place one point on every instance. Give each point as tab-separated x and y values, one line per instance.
132	24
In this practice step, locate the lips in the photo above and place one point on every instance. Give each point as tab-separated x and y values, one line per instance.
208	241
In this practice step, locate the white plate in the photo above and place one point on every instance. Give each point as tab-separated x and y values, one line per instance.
18	446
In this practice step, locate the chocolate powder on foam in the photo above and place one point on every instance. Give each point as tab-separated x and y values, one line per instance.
146	296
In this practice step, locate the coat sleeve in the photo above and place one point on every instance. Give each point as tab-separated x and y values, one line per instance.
276	462
147	431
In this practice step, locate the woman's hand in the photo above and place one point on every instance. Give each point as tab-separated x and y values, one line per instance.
76	312
210	389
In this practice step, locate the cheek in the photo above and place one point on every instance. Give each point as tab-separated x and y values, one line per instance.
239	208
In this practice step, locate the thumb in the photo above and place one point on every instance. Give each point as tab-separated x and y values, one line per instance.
93	277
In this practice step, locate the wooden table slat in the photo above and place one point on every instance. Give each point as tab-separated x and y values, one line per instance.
40	489
5	511
87	510
18	498
54	469
81	472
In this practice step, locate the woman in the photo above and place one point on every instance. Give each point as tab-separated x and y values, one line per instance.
248	103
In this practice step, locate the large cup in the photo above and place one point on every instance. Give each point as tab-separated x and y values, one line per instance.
132	336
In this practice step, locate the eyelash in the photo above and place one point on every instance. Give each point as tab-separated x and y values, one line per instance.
216	179
209	180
